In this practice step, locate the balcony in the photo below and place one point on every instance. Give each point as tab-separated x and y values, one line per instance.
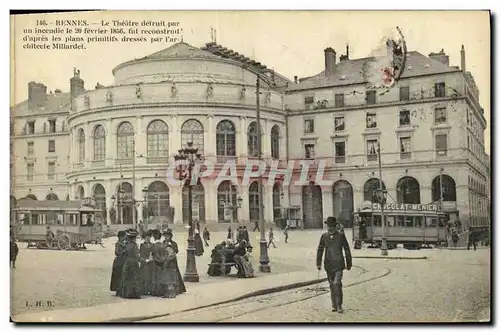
371	157
224	159
405	155
340	159
157	160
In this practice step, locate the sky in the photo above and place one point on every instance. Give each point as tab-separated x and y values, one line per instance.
290	42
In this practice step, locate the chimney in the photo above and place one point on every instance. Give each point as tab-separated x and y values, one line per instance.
330	59
77	85
296	79
37	93
462	57
441	57
346	55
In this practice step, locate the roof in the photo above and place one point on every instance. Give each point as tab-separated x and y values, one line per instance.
54	103
51	205
180	50
350	71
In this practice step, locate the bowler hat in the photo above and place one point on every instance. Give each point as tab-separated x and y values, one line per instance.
331	221
131	232
168	232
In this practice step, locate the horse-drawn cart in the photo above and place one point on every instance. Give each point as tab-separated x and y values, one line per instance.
63	225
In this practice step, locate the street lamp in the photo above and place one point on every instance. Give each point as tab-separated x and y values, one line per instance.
383	199
185	162
145	208
118	202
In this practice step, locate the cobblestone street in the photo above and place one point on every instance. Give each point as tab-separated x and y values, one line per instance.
449	285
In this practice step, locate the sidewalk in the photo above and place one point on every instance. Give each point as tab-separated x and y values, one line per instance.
198	295
398	253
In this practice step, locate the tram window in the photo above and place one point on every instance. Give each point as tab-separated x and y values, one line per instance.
25	218
418	221
60	219
377	221
431	222
34	219
390	220
409	221
399	221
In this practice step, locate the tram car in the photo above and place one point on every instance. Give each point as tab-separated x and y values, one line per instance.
412	225
60	225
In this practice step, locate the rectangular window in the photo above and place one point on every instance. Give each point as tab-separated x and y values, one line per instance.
439	90
441	145
309	151
371	149
404	118
371	97
405	147
339	123
339	152
371	120
31	148
309	126
52	126
440	115
51	170
339	100
309	103
30	172
31	127
52	145
404	93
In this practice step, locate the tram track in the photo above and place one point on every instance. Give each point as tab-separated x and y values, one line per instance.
259	303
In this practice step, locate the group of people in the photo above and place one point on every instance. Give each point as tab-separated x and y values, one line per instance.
226	254
150	269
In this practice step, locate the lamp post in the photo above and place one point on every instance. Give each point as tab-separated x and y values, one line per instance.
185	161
382	199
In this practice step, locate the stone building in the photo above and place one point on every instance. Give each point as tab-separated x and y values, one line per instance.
430	127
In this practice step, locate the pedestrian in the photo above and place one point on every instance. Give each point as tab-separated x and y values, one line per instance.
246	236
116	274
147	264
49	237
256	226
332	242
229	233
206	236
169	235
130	285
198	243
472	239
271	238
239	234
454	238
285	232
14	250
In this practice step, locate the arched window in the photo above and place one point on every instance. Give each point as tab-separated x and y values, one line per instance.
100	200
157	139
99	143
408	190
448	191
192	131
275	142
51	197
125	140
226	138
343	202
226	197
81	145
31	196
159	200
370	189
198	194
277	189
124	203
80	192
253	201
252	140
312	206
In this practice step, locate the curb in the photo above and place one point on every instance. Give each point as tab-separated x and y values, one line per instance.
239	298
464	248
387	257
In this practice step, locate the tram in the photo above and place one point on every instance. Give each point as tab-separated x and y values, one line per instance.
70	222
412	225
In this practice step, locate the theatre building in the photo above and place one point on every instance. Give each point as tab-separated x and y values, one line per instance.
91	143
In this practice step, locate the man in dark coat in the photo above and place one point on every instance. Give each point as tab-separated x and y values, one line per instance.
332	242
14	250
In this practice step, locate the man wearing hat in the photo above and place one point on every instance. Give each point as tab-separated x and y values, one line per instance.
332	242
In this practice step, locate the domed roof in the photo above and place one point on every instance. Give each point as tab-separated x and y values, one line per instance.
181	50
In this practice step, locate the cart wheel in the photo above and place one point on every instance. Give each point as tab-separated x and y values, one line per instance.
64	242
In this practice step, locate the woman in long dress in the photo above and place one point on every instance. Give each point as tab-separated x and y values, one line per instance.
116	274
147	264
198	243
181	288
167	282
157	256
130	287
245	269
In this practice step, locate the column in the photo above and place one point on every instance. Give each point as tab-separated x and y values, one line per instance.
244	211
176	202
210	202
88	145
241	138
327	201
268	204
425	194
109	203
174	136
209	145
140	143
110	143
